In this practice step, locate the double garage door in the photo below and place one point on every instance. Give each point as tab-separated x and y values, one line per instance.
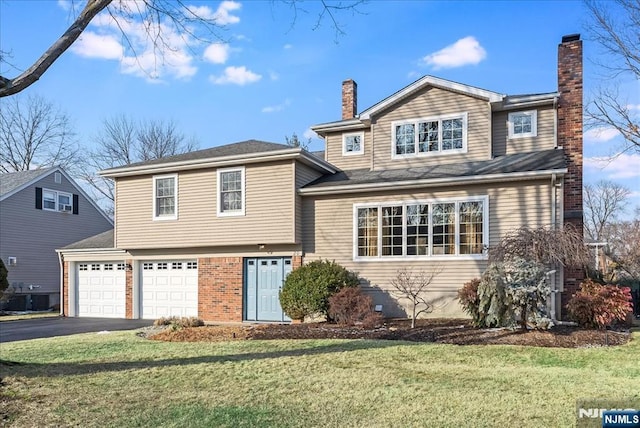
168	288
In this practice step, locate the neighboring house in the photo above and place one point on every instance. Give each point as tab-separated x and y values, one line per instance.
41	210
430	176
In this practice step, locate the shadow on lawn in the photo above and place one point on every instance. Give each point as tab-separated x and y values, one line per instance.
15	368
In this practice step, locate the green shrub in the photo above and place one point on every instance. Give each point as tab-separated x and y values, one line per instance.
350	306
306	290
4	282
469	300
597	305
516	289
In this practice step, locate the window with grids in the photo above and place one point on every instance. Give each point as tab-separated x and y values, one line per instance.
422	229
353	144
165	197
53	200
445	134
523	124
231	192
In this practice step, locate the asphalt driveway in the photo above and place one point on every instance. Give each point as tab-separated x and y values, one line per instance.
11	331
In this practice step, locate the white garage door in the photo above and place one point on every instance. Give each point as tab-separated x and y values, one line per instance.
169	288
101	289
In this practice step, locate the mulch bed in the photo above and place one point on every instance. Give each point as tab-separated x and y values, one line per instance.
451	331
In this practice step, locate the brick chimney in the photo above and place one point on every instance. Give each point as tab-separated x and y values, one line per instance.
570	139
349	99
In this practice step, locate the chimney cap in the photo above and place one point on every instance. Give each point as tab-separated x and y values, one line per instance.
570	38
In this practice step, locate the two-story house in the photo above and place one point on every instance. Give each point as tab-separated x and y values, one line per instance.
40	211
430	176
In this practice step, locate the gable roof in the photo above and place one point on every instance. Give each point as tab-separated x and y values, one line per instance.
249	151
13	182
434	82
508	167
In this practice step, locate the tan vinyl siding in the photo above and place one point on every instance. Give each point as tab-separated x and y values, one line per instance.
304	175
334	151
329	234
431	102
544	140
268	213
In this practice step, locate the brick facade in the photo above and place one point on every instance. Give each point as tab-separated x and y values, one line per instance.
65	289
220	288
349	99
128	290
570	139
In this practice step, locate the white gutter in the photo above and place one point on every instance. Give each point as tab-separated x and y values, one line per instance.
91	250
61	284
439	182
217	162
339	126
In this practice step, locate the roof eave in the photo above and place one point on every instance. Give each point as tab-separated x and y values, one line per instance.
430	81
520	102
341	125
246	158
432	182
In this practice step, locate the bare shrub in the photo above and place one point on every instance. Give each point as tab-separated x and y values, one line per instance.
413	286
350	306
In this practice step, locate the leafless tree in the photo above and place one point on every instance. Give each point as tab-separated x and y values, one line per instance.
615	27
543	245
603	202
122	141
159	17
413	287
623	238
294	141
34	133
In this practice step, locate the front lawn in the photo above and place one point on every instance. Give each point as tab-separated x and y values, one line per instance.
119	379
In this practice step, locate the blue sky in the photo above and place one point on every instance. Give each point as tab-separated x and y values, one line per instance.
271	75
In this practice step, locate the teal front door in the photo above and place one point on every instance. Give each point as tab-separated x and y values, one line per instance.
263	279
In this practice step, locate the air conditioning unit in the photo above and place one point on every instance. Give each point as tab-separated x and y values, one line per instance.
65	208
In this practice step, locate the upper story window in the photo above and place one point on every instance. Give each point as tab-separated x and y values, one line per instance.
353	144
415	229
523	124
430	136
231	194
53	200
165	197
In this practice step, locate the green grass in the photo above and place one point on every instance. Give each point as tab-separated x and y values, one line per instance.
121	380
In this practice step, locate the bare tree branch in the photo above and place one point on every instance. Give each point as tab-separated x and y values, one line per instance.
602	203
413	287
33	73
615	27
35	134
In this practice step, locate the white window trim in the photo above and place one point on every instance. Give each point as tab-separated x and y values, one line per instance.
344	144
456	256
175	195
415	122
238	213
534	124
57	194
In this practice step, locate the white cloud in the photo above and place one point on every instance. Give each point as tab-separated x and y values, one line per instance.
287	46
217	53
273	75
463	52
633	106
92	45
309	134
65	4
278	107
413	74
600	135
236	75
222	16
618	167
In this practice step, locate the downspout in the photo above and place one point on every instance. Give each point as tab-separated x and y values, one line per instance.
551	275
61	284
